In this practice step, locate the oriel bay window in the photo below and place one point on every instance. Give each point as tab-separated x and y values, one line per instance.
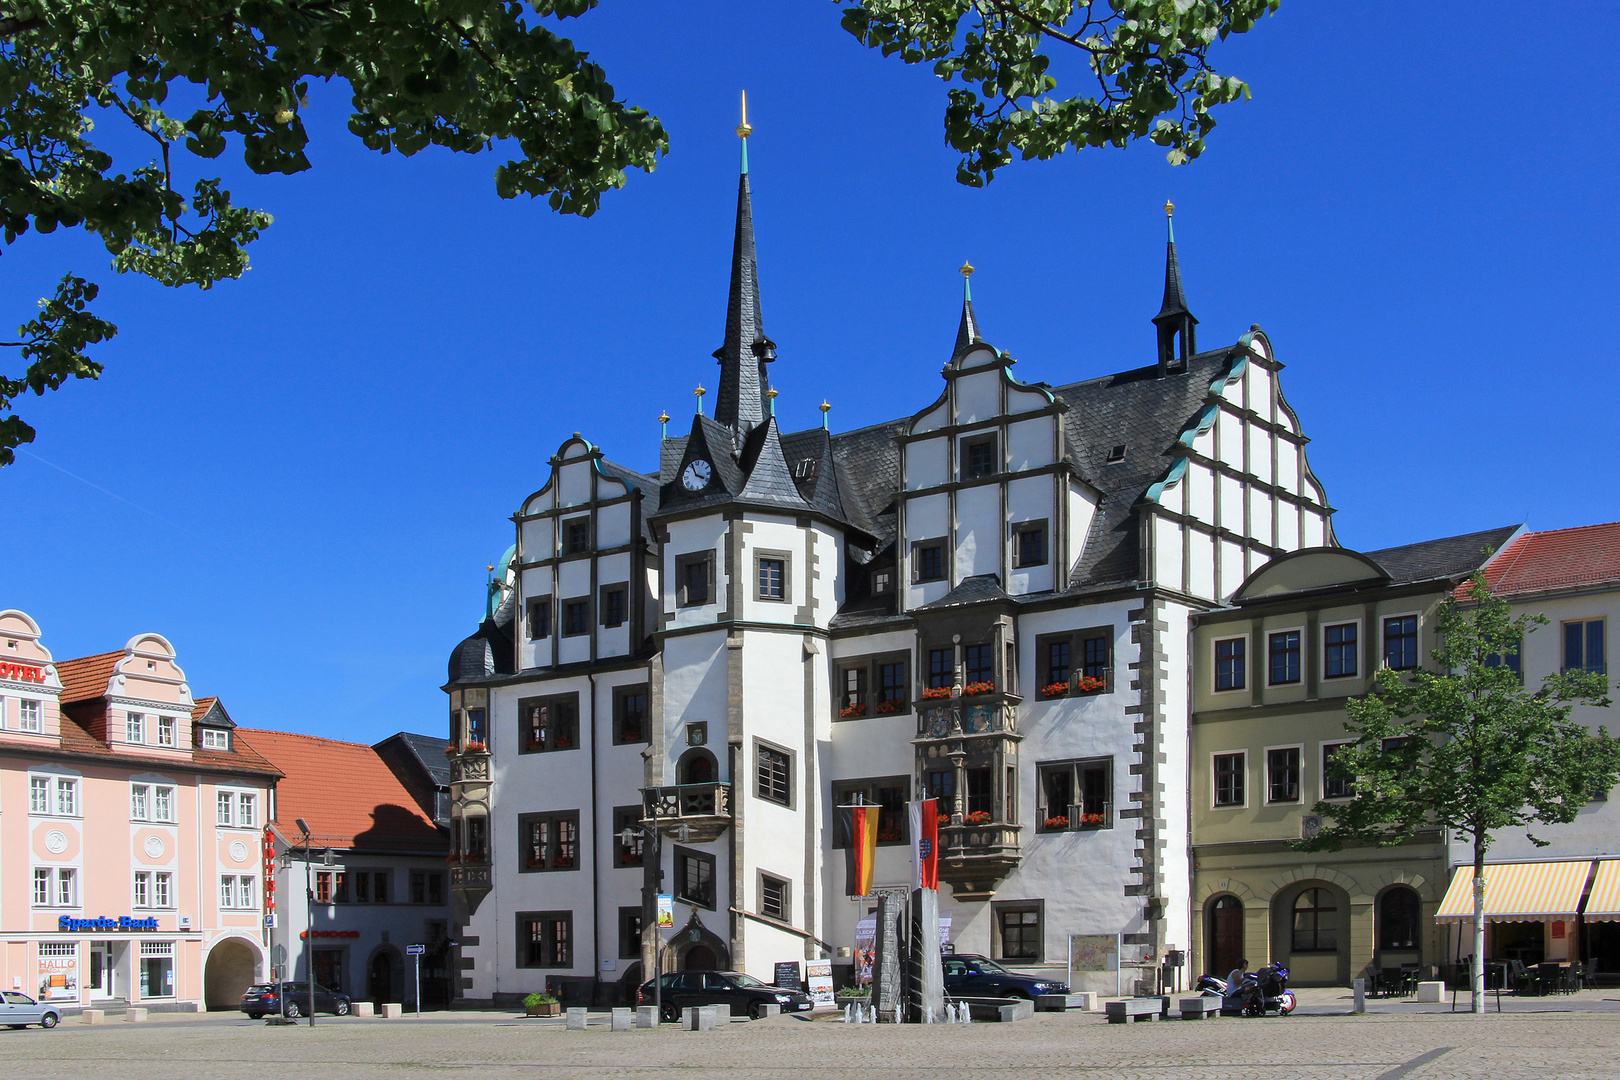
981	795
941	672
978	669
549	841
545	939
889	794
1077	662
1075	795
549	723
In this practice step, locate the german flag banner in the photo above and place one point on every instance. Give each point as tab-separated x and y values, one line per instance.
860	825
924	844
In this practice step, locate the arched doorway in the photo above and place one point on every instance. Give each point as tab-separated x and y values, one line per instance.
380	978
1223	935
697	766
1311	933
699	958
228	973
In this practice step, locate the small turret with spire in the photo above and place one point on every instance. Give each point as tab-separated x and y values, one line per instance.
740	398
967	332
1177	327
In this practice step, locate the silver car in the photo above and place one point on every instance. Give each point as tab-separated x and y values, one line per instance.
20	1010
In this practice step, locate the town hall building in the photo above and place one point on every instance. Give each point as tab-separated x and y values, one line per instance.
987	602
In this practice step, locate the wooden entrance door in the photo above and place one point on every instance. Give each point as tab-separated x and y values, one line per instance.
1224	935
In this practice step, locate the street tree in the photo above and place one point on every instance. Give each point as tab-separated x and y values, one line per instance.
1466	748
1140	69
191	77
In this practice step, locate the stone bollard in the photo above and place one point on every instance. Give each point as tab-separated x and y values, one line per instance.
768	1010
93	1016
1358	996
576	1020
391	1010
1430	993
1088	1000
646	1016
623	1019
362	1008
700	1018
135	1015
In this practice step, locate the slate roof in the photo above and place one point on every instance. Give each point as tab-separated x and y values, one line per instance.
85	678
429	750
345	791
488	651
206	705
1558	559
1451	556
971	590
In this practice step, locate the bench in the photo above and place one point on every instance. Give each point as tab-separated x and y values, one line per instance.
1200	1008
1133	1010
1021	1009
1085	1002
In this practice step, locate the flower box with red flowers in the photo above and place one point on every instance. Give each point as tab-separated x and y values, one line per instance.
1057	689
944	819
562	742
562	862
853	712
1056	823
893	705
1093	821
474	748
978	817
935	693
974	688
1090	684
536	863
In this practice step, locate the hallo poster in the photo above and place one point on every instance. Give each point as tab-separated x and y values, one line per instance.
58	971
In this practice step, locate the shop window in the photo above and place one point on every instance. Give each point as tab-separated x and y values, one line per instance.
1231	664
1401	642
694	878
1075	794
889	794
1282	774
774	773
694	578
549	723
545	939
1583	646
630	715
1316	918
157	969
1019	931
329	969
773	898
1230	789
1399	919
928	561
615	604
630	933
1284	651
627	817
549	841
1339	651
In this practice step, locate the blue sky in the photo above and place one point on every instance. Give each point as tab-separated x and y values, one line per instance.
299	477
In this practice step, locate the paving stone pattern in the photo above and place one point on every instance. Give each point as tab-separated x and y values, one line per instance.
1571	1039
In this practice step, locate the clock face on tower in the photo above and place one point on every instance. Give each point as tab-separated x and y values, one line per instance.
697	474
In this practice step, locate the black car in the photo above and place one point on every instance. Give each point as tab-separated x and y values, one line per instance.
745	994
967	975
291	999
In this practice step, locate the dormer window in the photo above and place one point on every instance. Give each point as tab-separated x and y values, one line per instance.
216	739
1116	455
805	470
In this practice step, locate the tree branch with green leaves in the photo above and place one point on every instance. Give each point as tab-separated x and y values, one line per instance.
465	75
1149	63
1466	749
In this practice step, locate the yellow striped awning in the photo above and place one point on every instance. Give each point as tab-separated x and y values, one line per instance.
1518	892
1603	905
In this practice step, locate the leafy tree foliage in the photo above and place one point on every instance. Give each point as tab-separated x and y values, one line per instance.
1467	748
1148	60
460	74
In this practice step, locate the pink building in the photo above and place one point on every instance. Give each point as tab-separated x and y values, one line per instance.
131	830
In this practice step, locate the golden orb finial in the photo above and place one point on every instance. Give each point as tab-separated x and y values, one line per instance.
1169	208
967	269
700	391
824	406
490	568
663	418
743	130
771	393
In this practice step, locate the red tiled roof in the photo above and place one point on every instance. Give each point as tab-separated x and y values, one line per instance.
85	678
1558	559
76	739
201	706
347	794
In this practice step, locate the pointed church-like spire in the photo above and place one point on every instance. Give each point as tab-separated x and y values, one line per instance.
967	332
740	398
1177	326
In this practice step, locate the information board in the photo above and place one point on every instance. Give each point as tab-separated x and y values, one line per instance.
819	981
787	975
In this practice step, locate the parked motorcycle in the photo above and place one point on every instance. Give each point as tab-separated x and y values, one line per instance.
1266	991
1210	986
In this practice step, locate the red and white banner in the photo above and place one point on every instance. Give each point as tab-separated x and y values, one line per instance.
924	844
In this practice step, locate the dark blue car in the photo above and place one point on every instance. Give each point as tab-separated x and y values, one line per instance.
967	975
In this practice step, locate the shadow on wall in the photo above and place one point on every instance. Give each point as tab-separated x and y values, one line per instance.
392	825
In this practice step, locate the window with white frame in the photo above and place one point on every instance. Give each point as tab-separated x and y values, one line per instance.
162	889
151	802
168	731
1230	785
31	718
67	796
247	810
228	894
162	803
216	739
39	795
143	888
134	727
67	887
42	886
140	801
224	808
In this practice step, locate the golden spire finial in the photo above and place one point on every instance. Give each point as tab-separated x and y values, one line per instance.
700	391
771	393
1169	208
663	418
967	269
824	406
743	130
490	568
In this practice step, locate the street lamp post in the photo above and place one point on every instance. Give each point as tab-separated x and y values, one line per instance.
309	923
649	903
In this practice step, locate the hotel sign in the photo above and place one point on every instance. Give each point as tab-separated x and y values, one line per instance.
122	924
22	672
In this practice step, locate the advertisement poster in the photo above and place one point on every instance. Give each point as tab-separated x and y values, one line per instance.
666	911
818	978
58	971
865	949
